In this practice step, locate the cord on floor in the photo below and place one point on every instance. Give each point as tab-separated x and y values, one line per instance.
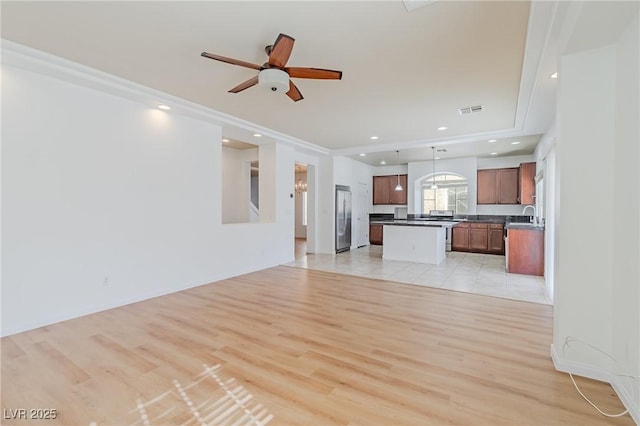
573	339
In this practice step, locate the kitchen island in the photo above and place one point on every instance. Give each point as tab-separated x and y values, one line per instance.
415	241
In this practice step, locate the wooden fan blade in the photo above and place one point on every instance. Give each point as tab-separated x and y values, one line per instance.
231	61
294	93
299	72
240	87
281	51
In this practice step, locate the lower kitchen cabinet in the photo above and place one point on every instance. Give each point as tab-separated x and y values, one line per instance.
375	234
525	251
496	238
478	237
460	237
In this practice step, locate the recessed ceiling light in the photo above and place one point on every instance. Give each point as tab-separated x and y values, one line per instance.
363	154
226	140
436	158
442	128
383	162
515	142
373	138
257	135
554	75
164	107
492	140
494	153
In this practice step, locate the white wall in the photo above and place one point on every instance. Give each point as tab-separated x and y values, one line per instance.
597	295
504	162
588	80
324	199
106	201
626	208
545	155
625	324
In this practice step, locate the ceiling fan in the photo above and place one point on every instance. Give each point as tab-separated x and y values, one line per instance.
273	73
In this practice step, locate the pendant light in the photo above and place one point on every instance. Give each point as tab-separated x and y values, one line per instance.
398	186
434	186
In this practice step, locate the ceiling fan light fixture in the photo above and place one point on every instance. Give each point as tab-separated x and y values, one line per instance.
274	79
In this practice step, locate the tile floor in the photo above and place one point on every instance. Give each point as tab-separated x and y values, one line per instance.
468	272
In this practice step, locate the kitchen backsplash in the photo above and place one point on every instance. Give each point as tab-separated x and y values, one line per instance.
500	209
384	208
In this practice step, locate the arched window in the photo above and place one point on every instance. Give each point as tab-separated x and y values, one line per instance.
451	194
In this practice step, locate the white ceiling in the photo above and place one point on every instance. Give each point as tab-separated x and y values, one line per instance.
405	73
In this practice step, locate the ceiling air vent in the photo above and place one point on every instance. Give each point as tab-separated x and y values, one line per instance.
470	110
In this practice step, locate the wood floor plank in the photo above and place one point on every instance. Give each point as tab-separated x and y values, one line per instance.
301	347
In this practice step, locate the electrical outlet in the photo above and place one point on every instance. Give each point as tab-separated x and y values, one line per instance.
105	282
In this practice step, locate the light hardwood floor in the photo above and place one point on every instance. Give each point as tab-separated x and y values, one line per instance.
294	346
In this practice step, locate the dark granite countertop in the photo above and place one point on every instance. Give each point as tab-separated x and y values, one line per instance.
525	225
387	218
405	222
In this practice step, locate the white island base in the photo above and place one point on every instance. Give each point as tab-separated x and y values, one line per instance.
424	244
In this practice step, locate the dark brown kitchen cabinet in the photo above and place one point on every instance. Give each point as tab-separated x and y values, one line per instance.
508	186
527	183
380	190
460	237
498	186
525	252
375	234
384	190
478	237
496	238
487	186
398	197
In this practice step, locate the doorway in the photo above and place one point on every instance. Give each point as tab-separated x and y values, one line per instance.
301	210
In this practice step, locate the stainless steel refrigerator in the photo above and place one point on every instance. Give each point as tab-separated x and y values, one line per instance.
343	218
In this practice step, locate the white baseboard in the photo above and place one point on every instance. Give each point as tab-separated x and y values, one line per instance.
596	373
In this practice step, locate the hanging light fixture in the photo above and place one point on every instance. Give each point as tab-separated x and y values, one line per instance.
398	186
434	186
300	186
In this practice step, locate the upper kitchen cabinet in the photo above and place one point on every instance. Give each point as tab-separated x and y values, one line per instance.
527	176
498	186
487	186
384	190
508	186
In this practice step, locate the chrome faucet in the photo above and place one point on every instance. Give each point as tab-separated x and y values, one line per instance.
534	218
